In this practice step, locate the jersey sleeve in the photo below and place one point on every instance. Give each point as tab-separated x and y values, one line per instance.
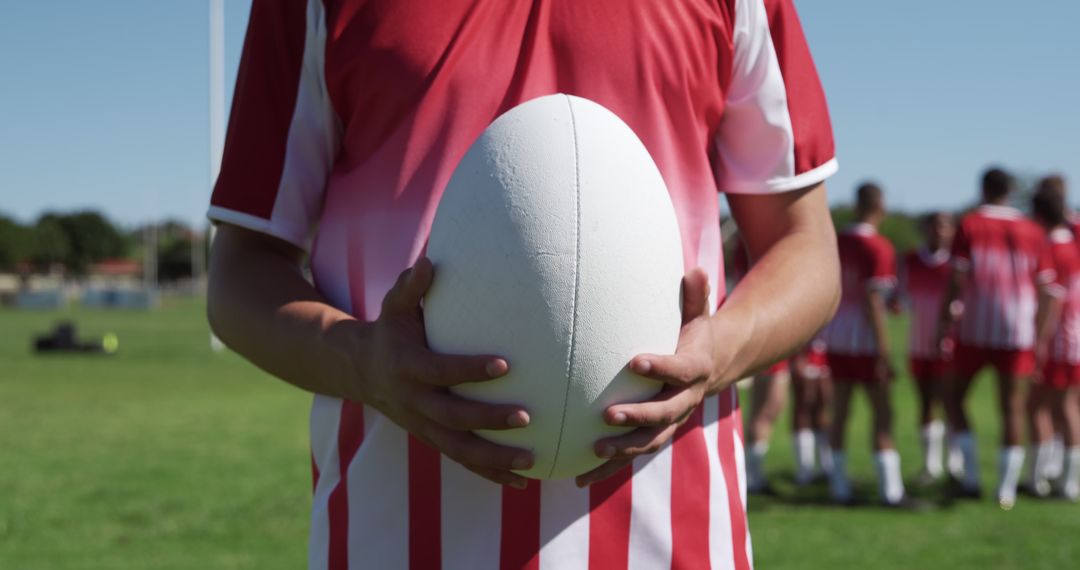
775	134
283	133
1057	287
1046	272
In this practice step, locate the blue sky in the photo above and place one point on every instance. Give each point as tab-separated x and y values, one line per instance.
104	104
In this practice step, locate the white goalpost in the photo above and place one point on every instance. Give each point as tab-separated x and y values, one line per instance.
217	106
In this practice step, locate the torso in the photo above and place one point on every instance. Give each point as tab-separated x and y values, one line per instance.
866	260
926	279
1001	294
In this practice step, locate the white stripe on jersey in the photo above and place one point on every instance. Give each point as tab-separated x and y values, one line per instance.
564	526
313	140
650	515
471	518
325	414
721	552
1001	312
376	488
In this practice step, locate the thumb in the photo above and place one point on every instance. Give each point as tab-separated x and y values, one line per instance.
695	295
410	287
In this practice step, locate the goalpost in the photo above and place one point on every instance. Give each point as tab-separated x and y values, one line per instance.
217	107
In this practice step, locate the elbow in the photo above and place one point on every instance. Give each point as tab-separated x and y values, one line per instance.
220	306
214	309
830	279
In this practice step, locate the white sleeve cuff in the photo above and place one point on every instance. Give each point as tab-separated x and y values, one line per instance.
880	283
291	233
1054	290
785	184
1046	276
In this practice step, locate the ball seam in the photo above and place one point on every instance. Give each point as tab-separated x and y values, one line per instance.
577	283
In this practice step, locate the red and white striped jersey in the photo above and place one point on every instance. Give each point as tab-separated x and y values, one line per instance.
924	278
1065	344
867	262
1007	258
348	119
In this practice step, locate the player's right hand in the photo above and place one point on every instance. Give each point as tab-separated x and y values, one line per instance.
410	385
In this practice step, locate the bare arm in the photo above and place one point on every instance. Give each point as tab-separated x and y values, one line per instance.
875	312
793	287
1046	320
947	316
261	306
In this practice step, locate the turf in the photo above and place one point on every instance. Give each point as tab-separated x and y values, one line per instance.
168	455
165	455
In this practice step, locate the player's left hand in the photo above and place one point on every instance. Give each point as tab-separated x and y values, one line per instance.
688	376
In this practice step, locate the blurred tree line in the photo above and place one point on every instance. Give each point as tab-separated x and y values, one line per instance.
898	227
77	240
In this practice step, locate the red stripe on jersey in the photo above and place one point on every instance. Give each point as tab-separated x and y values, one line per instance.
314	473
425	506
727	426
350	436
690	495
609	521
520	541
267	84
810	124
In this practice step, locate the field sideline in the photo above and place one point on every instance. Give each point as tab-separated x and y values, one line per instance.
168	456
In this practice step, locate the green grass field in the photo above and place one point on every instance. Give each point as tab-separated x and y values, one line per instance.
170	456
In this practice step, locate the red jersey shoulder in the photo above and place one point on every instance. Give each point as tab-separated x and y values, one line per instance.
1066	257
882	246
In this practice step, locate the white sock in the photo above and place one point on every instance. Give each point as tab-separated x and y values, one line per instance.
1043	453
933	435
1055	464
955	459
804	456
965	442
824	450
839	486
1010	465
755	465
1071	488
890	482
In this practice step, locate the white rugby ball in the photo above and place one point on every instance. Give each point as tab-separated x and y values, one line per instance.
556	246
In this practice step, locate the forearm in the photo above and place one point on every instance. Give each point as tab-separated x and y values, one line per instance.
261	306
875	313
952	294
1046	318
791	291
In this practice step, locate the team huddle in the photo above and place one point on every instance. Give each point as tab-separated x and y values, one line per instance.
997	289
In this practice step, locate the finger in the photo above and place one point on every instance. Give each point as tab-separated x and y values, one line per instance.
603	472
670	406
410	287
473	451
695	298
501	477
675	369
459	413
453	369
638	442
